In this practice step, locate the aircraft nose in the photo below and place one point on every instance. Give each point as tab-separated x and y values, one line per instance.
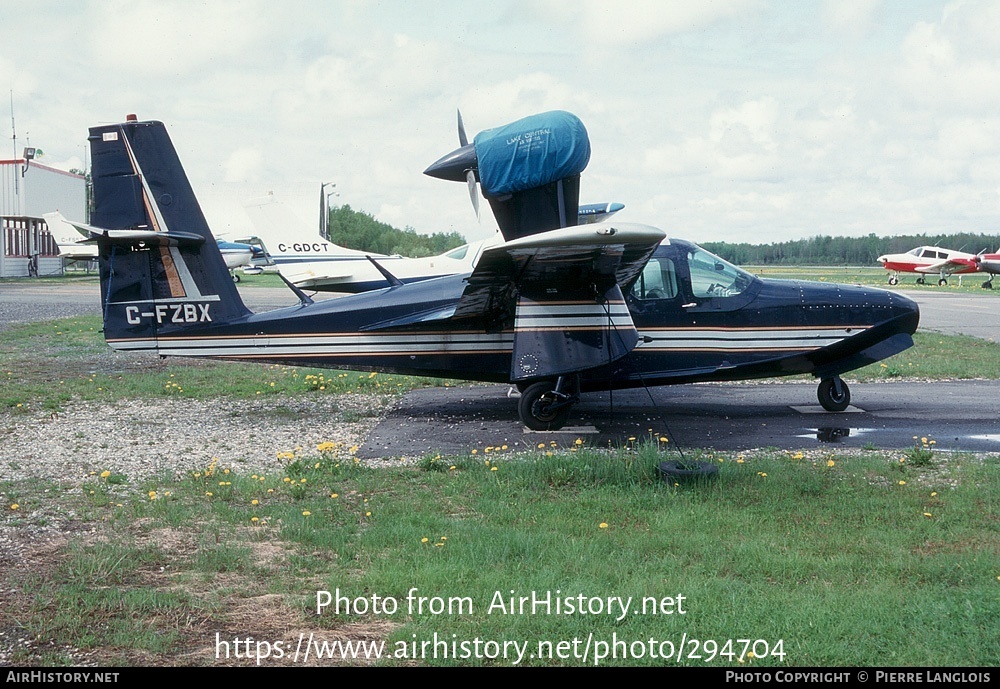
905	311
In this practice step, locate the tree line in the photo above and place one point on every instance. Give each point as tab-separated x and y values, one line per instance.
825	250
361	231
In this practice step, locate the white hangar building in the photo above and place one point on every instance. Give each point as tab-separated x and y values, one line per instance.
28	190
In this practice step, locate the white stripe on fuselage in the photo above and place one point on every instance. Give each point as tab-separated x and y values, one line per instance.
385	344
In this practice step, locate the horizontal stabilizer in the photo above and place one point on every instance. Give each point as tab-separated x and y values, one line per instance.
96	235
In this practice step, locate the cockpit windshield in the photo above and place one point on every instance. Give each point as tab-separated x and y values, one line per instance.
713	277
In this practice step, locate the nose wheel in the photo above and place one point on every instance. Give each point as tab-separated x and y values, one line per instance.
833	394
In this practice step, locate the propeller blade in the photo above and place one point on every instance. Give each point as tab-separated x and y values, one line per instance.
462	138
471	177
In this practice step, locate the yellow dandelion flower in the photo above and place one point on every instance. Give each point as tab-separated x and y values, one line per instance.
578	441
306	513
152	495
438	545
444	538
503	447
368	514
541	446
334	495
902	483
451	468
424	540
105	473
270	490
493	468
475	452
255	519
255	502
602	525
208	493
15	506
934	494
663	439
928	514
830	463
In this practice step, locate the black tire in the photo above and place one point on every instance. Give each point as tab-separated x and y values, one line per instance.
680	471
236	278
988	284
828	397
942	282
921	281
535	410
893	281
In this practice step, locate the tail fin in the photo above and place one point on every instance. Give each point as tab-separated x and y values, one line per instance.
161	269
289	239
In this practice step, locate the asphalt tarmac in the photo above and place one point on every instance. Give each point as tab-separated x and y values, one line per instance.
958	415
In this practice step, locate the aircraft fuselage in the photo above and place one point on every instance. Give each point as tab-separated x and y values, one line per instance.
698	319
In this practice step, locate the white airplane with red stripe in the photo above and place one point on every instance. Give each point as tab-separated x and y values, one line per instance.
929	260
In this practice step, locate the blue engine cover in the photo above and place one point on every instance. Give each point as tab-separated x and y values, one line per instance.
531	152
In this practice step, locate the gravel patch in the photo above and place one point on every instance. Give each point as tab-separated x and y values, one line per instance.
144	438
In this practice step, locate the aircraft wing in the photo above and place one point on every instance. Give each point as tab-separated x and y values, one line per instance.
563	292
952	265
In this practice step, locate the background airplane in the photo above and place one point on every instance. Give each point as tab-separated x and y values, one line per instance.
546	311
990	264
929	260
69	239
309	261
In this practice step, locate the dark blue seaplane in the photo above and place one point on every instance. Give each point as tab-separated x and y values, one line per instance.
556	310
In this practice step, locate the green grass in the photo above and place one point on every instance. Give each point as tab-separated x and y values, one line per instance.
860	561
870	559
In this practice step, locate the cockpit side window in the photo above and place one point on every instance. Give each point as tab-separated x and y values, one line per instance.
713	277
657	281
458	253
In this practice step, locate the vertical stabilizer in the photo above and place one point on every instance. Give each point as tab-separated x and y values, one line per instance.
161	269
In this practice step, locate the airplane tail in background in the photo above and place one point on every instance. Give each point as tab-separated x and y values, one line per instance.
289	239
161	269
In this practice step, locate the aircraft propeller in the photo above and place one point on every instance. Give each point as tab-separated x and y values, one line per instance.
461	165
470	174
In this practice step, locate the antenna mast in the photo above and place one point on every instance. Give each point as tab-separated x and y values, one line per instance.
13	136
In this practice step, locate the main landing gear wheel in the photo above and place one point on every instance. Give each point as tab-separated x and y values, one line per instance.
988	284
541	408
236	278
833	394
893	280
942	282
921	281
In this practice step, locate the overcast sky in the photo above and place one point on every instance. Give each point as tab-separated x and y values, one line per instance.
737	120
